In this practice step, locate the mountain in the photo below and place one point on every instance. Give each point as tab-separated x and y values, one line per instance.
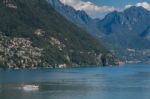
126	30
127	27
33	34
126	33
80	18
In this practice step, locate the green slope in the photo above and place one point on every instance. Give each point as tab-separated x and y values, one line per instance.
60	41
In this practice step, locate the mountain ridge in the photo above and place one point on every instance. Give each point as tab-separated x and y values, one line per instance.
52	40
78	17
129	28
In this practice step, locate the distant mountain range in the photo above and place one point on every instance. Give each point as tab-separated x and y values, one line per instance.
119	31
33	34
129	28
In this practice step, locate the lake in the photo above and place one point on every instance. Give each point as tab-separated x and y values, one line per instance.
126	82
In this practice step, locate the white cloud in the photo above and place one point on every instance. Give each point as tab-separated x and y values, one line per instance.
90	8
128	6
145	5
96	11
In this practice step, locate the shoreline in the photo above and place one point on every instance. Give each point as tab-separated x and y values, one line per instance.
40	68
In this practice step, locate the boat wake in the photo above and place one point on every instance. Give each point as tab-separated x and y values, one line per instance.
30	87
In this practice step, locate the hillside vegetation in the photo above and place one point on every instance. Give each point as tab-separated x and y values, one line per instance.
33	34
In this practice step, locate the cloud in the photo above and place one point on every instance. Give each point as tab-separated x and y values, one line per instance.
145	5
128	6
96	11
89	7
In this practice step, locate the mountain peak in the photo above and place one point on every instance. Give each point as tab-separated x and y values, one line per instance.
78	17
135	9
129	23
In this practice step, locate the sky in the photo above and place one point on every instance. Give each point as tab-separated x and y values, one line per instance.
99	8
117	3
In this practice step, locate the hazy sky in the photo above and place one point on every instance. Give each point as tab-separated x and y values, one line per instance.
99	8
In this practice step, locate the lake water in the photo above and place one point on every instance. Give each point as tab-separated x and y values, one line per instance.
127	82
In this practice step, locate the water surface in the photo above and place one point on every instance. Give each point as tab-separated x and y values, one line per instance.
127	82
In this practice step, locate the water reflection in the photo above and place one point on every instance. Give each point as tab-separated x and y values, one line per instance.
129	82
